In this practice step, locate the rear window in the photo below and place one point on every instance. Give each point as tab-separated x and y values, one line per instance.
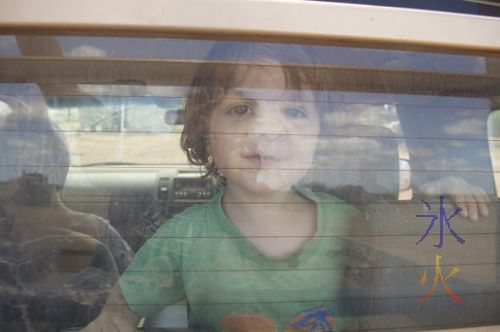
280	185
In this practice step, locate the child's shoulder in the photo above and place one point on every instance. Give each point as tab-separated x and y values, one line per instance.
184	220
318	195
197	219
327	200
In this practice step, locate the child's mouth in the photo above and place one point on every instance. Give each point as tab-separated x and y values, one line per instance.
260	160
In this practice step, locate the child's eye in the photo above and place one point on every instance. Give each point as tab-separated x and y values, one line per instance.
295	113
240	110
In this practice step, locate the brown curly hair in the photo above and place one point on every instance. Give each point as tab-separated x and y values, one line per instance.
222	72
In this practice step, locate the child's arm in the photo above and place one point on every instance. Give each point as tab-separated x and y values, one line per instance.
472	199
115	316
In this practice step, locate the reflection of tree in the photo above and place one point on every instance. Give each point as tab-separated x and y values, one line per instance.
105	119
116	102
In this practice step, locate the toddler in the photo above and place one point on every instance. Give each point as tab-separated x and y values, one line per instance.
266	253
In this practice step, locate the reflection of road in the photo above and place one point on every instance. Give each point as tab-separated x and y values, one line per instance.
137	148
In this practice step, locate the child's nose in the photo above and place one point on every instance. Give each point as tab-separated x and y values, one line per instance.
268	127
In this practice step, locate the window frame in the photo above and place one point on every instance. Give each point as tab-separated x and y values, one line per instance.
299	21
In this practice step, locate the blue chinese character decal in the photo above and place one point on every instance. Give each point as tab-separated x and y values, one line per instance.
441	217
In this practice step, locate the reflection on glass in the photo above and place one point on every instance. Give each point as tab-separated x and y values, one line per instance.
320	160
58	264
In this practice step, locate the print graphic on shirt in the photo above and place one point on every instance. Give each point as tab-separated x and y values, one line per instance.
319	318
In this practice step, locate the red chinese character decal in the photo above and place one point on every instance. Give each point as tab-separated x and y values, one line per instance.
443	280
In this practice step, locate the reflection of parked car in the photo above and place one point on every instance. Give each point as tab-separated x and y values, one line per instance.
404	105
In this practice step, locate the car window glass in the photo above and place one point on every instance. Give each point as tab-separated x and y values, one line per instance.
107	141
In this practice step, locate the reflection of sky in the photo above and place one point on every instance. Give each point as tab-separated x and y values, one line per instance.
443	134
196	49
400	59
8	46
442	117
466	128
421	116
19	89
448	134
408	99
139	47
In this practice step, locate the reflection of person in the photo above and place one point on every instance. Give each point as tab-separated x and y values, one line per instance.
473	200
29	145
58	262
266	251
432	144
468	190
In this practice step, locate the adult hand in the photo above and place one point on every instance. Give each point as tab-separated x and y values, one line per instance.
472	199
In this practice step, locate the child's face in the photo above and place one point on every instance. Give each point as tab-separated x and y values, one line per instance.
263	144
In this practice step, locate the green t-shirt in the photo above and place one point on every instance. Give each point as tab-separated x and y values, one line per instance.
200	256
